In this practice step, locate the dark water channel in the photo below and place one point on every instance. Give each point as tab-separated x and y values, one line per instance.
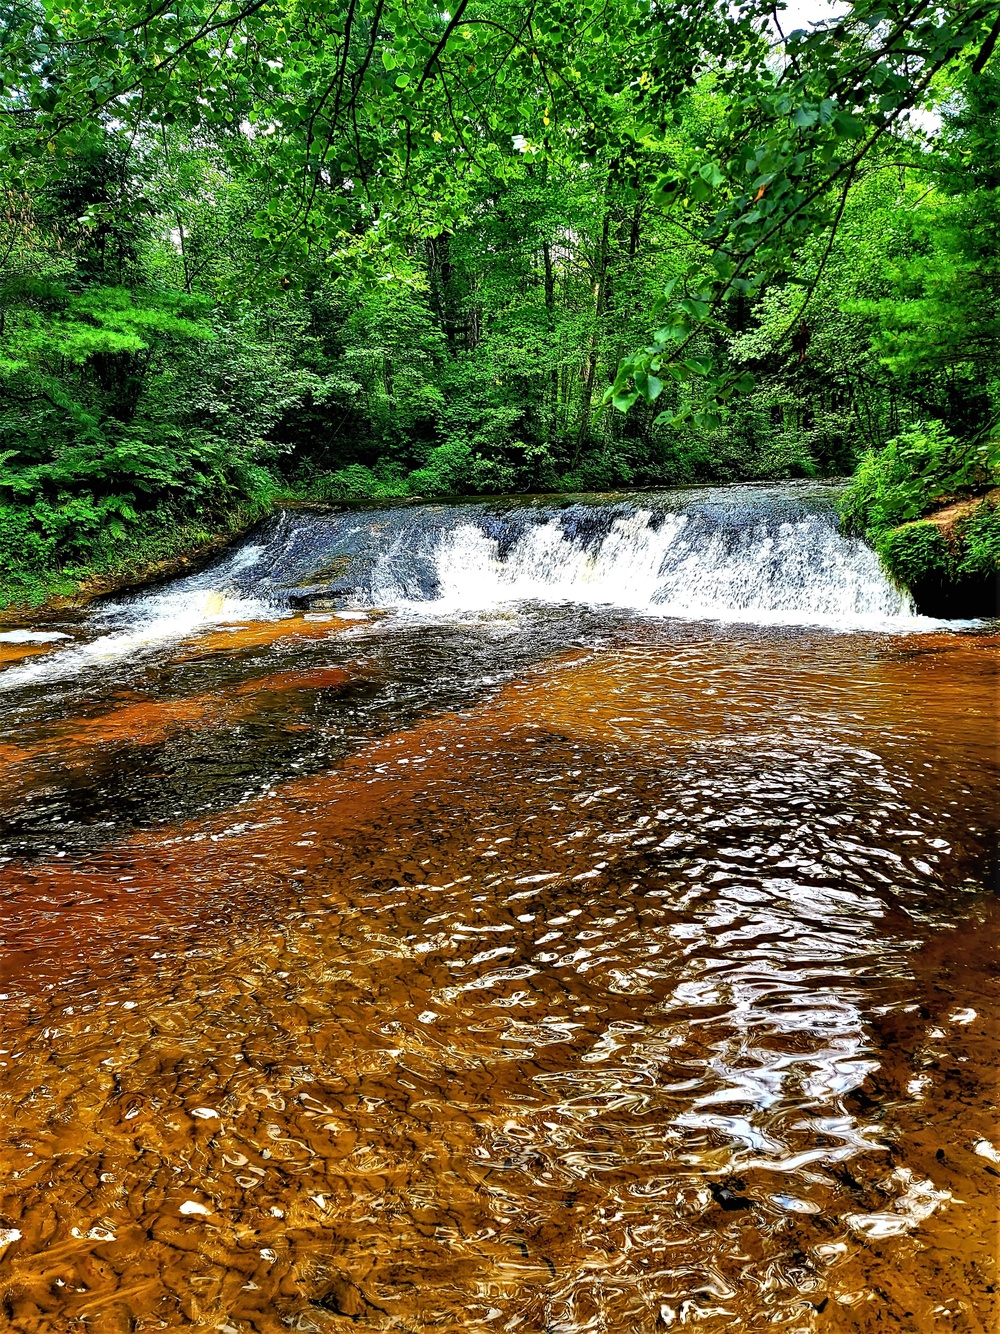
557	965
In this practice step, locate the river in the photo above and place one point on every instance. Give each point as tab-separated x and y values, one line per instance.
534	915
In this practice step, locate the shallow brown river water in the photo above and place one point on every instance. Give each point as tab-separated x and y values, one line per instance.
556	972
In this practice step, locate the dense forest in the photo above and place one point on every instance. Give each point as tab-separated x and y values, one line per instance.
368	249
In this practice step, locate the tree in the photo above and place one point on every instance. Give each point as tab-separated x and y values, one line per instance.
398	248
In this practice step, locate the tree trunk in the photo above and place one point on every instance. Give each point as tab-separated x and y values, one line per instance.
589	371
633	238
550	306
440	273
550	281
183	251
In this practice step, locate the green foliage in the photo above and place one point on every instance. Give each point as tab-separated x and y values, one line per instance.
774	175
915	552
355	482
36	565
894	488
978	540
447	468
918	468
923	550
27	542
937	315
373	249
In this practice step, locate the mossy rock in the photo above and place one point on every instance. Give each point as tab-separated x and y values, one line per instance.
952	568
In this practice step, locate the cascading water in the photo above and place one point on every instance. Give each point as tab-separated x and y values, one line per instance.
752	554
800	571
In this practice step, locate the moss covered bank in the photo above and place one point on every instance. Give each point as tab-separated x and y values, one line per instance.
930	506
949	559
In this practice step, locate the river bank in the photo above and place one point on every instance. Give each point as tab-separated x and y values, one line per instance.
950	557
136	561
947	560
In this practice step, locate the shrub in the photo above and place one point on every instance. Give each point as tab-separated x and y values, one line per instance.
978	540
356	482
901	482
914	552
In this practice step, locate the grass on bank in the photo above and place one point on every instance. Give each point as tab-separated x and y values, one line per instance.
33	573
77	546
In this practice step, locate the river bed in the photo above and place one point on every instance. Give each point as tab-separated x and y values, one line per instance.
497	940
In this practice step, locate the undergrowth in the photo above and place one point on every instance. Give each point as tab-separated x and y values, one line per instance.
896	487
35	566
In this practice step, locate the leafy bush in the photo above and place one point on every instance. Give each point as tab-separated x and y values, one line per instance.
921	466
915	552
978	539
356	482
24	542
894	488
37	561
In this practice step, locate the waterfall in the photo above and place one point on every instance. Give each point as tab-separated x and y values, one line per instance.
764	555
799	571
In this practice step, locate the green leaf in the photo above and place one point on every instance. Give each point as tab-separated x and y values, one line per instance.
675	332
667	189
624	401
697	309
848	126
711	174
699	365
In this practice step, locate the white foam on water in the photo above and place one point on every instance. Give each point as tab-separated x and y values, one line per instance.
712	564
800	572
163	618
31	636
138	625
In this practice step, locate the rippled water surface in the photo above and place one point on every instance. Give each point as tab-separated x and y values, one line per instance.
549	969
